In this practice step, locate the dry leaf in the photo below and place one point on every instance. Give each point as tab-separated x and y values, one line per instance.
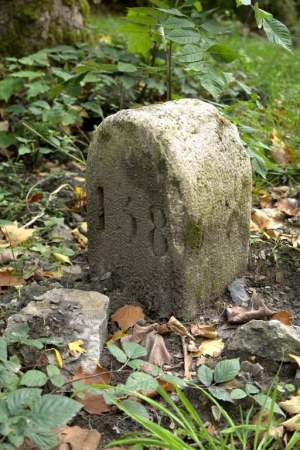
280	192
204	331
15	235
93	404
281	156
265	201
139	332
284	317
75	347
260	220
293	424
291	406
174	326
58	357
156	349
6	256
296	358
289	206
81	236
188	358
259	310
212	347
216	413
7	278
81	439
127	316
116	336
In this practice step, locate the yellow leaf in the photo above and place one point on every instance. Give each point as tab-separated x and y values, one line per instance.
58	358
296	358
64	259
118	335
212	347
291	406
293	424
75	347
79	191
79	235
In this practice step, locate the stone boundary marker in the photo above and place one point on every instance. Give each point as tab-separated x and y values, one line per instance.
169	198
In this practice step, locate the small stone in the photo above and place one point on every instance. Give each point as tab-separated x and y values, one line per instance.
238	293
271	340
253	369
280	277
105	276
55	301
62	233
54	307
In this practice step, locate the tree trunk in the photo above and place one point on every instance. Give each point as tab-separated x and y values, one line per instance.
27	26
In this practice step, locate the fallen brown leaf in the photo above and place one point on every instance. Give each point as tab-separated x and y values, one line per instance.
280	192
291	406
7	278
81	439
260	220
94	404
174	326
139	332
258	310
281	156
204	331
265	201
284	317
6	256
127	316
15	235
292	424
212	347
289	206
188	358
156	349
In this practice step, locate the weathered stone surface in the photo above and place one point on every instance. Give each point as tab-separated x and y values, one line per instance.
270	340
71	314
169	193
238	293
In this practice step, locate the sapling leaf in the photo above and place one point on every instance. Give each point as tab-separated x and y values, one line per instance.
125	67
175	22
226	370
172	12
183	36
205	375
212	80
223	54
237	394
277	33
220	394
117	353
141	19
21	398
189	53
54	411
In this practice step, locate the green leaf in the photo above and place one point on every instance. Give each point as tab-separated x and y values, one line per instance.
8	379
74	81
212	81
52	370
135	408
250	389
15	109
195	67
226	370
183	36
139	43
277	33
28	74
36	88
141	19
33	378
260	15
220	394
15	439
172	12
136	29
138	381
243	2
21	398
173	380
8	87
3	348
159	4
125	67
189	53
117	353
213	27
144	10
57	380
43	438
205	375
259	166
175	22
237	394
54	410
262	399
13	364
17	335
133	350
144	366
223	54
23	150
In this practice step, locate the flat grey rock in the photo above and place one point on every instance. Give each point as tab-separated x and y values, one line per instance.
271	340
238	293
71	314
169	198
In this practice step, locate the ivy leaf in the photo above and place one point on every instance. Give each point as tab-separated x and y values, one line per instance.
212	81
277	33
190	53
226	370
183	36
175	22
223	54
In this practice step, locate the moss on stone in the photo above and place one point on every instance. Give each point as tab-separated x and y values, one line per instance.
85	10
193	235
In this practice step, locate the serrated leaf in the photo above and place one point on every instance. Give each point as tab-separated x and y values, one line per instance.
237	394
183	36
135	408
8	87
260	15
144	366
220	394
213	27
21	398
52	370
138	381
175	22
74	81
3	350
173	380
54	410
138	43
57	380
117	353
144	10
277	33
8	379
212	81
250	389
126	67
141	19
33	378
259	166
262	399
205	375
226	370
172	12
43	438
133	350
223	54
189	53
28	74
